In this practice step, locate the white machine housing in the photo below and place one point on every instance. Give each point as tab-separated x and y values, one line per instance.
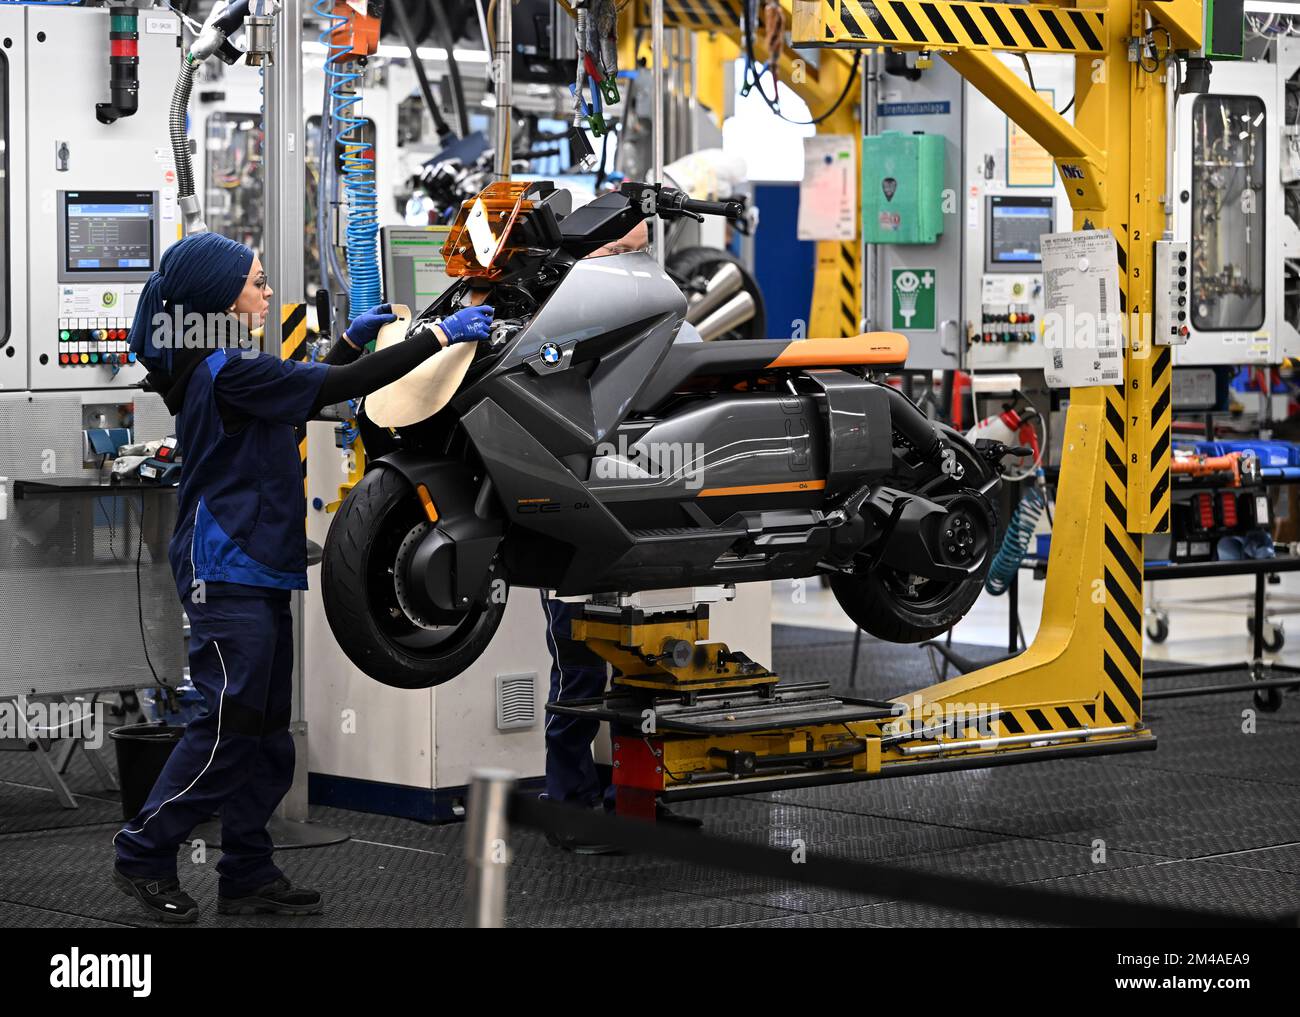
971	300
68	150
1273	338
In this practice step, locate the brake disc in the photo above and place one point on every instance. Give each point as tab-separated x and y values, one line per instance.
404	551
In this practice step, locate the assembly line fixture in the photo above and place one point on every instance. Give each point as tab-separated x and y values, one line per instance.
1078	687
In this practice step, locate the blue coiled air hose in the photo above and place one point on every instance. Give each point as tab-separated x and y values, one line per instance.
1015	542
362	228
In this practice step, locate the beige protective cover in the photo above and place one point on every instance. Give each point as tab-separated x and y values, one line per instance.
423	391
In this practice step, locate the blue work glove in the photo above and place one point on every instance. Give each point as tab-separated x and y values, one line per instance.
468	324
366	325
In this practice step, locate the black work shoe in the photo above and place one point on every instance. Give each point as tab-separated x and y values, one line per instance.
663	814
581	847
162	898
276	898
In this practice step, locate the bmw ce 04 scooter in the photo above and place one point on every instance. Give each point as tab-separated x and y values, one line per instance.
584	452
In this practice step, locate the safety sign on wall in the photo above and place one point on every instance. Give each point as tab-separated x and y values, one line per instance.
912	299
1082	324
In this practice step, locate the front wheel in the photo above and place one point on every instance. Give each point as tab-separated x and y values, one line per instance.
373	616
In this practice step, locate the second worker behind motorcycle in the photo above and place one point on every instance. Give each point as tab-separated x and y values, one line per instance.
578	673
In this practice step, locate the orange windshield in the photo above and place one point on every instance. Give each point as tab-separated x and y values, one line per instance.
479	241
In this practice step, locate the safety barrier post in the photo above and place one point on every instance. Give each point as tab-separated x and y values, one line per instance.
486	851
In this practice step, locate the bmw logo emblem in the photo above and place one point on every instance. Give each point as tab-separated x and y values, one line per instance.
550	353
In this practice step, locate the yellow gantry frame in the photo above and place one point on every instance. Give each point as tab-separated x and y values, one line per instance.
1085	666
1084	669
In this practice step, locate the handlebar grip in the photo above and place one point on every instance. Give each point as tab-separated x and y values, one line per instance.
731	209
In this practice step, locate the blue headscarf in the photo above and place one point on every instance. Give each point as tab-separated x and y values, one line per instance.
204	272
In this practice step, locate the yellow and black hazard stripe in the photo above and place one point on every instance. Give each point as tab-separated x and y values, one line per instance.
293	331
697	15
1121	555
1159	378
918	24
293	346
850	292
1033	720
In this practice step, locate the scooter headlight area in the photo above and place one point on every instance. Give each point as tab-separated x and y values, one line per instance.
461	440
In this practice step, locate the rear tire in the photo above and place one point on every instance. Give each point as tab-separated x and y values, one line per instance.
362	603
885	603
878	610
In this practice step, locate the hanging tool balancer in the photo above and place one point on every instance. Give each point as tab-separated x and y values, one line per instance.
597	65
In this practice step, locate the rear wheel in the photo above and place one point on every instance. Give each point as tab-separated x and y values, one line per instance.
903	609
374	616
897	607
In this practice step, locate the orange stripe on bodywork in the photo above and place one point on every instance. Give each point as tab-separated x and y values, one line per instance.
426	499
870	348
796	485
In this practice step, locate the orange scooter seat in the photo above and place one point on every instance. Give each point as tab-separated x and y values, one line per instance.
724	358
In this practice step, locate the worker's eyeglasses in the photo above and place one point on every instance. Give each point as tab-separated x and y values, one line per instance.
260	282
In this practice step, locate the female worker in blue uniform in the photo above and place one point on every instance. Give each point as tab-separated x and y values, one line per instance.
238	550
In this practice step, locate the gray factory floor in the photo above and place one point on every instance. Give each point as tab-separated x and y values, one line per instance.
1210	820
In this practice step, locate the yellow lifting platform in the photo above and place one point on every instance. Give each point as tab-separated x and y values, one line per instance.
1078	688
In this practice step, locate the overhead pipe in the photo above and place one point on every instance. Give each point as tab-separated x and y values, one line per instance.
657	115
501	54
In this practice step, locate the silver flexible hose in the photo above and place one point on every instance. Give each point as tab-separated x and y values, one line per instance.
176	128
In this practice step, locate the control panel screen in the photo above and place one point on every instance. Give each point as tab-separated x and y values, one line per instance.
415	273
109	232
1015	226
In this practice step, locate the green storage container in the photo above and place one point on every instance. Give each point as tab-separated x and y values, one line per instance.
902	188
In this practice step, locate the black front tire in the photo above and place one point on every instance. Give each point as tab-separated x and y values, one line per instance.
361	602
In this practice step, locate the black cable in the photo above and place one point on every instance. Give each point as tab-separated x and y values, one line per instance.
601	173
772	104
1029	71
453	68
408	36
139	595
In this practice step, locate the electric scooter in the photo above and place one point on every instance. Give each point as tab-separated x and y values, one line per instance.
584	452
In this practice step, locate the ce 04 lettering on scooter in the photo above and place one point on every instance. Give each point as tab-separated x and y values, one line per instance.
584	452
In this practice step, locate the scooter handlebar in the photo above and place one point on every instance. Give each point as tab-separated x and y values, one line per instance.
677	201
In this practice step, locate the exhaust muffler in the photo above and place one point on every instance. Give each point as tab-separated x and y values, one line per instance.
734	313
724	283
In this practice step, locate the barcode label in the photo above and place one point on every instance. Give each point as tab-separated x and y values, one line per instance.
1101	287
1107	354
1058	360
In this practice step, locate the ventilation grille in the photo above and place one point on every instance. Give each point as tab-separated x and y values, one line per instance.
516	701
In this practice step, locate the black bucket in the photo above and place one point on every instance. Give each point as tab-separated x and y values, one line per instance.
142	752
